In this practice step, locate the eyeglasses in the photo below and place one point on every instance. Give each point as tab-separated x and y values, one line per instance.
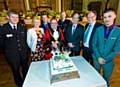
75	18
91	17
54	23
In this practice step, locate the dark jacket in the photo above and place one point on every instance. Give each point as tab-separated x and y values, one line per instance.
14	41
64	24
76	38
92	34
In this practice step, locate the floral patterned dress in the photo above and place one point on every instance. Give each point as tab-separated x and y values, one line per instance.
39	53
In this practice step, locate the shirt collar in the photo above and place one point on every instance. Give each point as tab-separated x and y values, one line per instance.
92	24
107	30
111	26
13	25
74	25
63	20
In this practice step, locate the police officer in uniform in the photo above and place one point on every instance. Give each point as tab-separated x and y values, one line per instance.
13	39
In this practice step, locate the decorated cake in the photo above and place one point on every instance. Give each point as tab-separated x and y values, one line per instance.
62	68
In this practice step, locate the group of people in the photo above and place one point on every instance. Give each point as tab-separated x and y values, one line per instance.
99	43
102	43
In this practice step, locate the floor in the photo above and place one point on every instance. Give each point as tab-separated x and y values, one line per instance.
6	79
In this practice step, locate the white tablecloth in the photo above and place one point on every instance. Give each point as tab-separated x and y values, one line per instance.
39	76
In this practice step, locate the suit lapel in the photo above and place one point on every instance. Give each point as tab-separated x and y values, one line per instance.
101	37
112	34
92	34
75	30
9	27
70	31
18	28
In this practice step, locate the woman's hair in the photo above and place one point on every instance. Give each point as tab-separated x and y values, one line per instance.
37	18
53	19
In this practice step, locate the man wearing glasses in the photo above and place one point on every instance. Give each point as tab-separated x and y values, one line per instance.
74	35
88	35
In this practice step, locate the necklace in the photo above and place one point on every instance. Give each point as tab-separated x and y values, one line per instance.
38	32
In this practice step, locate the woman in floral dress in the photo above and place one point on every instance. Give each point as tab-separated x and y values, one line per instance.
35	40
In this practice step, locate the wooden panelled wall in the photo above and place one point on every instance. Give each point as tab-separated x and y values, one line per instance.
13	4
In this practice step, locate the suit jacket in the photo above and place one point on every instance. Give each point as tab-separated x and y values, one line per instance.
76	37
0	37
92	34
14	40
64	24
109	48
43	25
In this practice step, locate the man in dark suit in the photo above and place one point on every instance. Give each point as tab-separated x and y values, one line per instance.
88	35
0	37
44	22
74	35
14	43
63	22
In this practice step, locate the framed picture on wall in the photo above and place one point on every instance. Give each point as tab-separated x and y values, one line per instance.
41	4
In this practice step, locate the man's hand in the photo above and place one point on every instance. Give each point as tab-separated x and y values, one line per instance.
101	60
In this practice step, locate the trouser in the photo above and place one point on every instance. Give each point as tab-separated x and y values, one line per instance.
74	53
16	62
107	69
87	54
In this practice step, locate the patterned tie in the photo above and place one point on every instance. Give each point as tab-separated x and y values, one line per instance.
86	33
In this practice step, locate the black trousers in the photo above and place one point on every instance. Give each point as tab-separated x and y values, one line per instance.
87	54
18	62
74	53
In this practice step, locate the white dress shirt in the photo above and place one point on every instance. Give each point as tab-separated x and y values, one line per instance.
73	28
86	43
13	25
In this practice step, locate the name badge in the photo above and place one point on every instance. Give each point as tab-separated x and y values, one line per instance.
9	35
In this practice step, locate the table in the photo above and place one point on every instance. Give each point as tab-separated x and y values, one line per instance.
39	76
